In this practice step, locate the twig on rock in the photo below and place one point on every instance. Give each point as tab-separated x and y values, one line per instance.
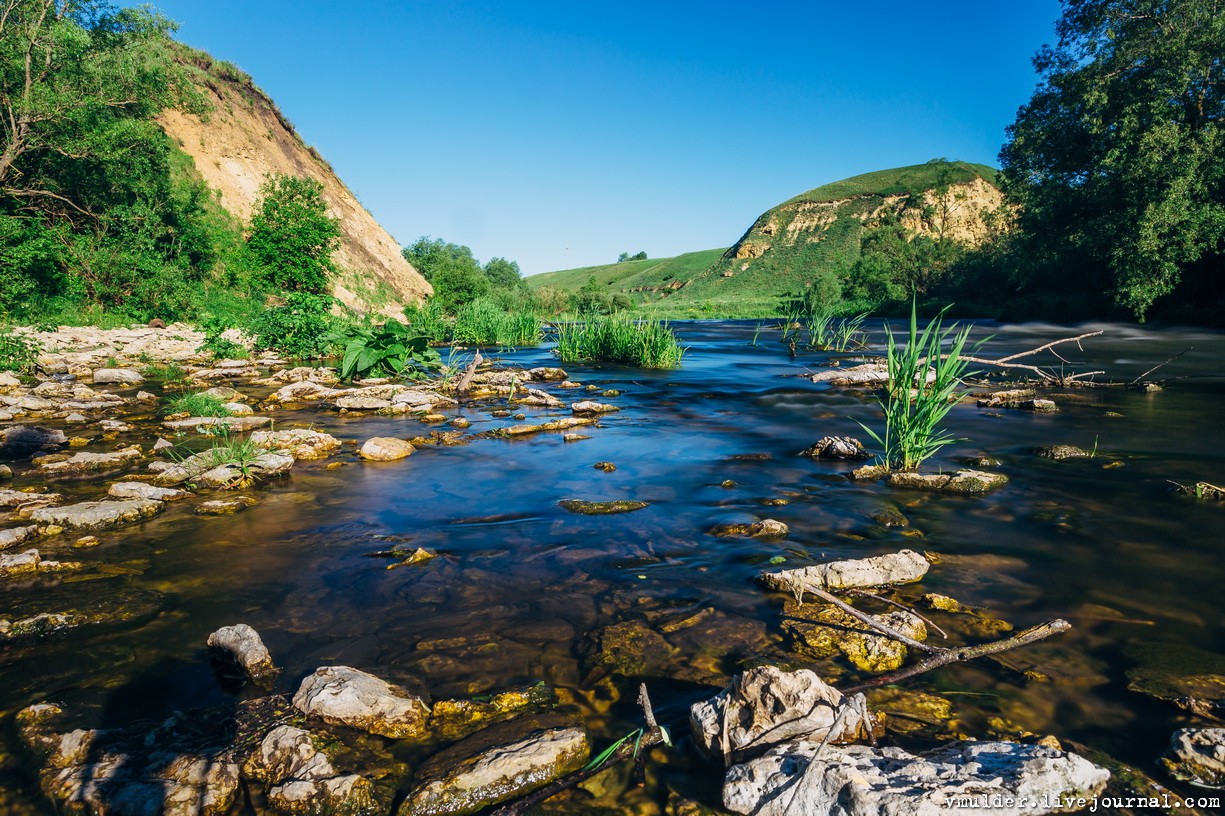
960	653
868	620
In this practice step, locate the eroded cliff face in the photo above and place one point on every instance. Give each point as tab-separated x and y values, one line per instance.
244	139
960	212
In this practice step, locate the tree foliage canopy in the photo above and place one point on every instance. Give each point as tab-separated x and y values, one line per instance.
292	236
1118	160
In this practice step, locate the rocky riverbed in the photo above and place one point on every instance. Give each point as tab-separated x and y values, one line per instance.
461	592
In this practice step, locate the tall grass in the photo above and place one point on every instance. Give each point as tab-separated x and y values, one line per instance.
924	376
427	320
198	405
614	339
483	322
835	334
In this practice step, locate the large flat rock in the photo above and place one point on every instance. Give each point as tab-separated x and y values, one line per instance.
98	515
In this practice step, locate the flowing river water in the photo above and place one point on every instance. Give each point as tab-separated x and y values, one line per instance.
522	588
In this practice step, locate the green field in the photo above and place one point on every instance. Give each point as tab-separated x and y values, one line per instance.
630	274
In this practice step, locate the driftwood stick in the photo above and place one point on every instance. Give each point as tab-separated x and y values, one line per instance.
465	381
867	620
947	656
1075	340
651	736
1159	365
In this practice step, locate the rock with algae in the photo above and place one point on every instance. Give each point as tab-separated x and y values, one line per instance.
341	695
496	764
822	632
1197	755
601	508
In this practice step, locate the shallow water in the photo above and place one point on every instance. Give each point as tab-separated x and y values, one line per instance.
522	583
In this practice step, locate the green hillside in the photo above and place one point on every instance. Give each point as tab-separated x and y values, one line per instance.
820	233
631	275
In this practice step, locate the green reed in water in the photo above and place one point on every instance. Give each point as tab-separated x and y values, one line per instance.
198	405
924	378
483	322
643	343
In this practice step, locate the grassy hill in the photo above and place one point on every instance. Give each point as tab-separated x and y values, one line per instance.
817	232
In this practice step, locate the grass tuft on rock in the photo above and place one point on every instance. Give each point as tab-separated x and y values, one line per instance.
199	404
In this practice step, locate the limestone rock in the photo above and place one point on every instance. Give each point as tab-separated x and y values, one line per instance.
9	380
497	764
30	562
225	507
546	373
261	467
234	424
766	528
140	490
589	407
117	376
305	391
242	645
85	462
961	481
300	443
1197	755
16	535
767	706
863	781
99	515
302	779
362	403
18	499
836	447
903	567
385	449
344	696
866	374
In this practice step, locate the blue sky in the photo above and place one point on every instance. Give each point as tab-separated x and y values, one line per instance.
562	134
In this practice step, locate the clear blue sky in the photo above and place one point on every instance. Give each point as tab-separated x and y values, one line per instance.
560	134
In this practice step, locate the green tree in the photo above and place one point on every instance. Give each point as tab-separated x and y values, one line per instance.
292	237
504	274
456	276
1118	160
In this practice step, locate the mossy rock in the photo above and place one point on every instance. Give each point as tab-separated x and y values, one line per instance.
1190	677
601	508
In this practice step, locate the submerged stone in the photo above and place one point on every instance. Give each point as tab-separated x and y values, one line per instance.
452	719
85	462
497	764
1061	452
836	447
99	515
1197	755
601	508
385	449
300	443
829	630
766	528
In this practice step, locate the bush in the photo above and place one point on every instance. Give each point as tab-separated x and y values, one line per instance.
18	352
643	343
551	300
300	328
390	348
292	236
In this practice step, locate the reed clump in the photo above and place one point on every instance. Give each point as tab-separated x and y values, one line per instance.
616	339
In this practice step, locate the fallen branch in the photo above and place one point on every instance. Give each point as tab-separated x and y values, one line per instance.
863	593
651	736
1159	365
465	381
947	656
1007	362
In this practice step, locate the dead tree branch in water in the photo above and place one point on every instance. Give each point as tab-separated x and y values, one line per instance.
1154	368
465	382
1044	374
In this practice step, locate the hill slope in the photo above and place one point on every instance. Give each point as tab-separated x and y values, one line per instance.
817	231
246	137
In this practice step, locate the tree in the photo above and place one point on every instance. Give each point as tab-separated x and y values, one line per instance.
64	66
456	276
504	274
292	236
625	256
1118	160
